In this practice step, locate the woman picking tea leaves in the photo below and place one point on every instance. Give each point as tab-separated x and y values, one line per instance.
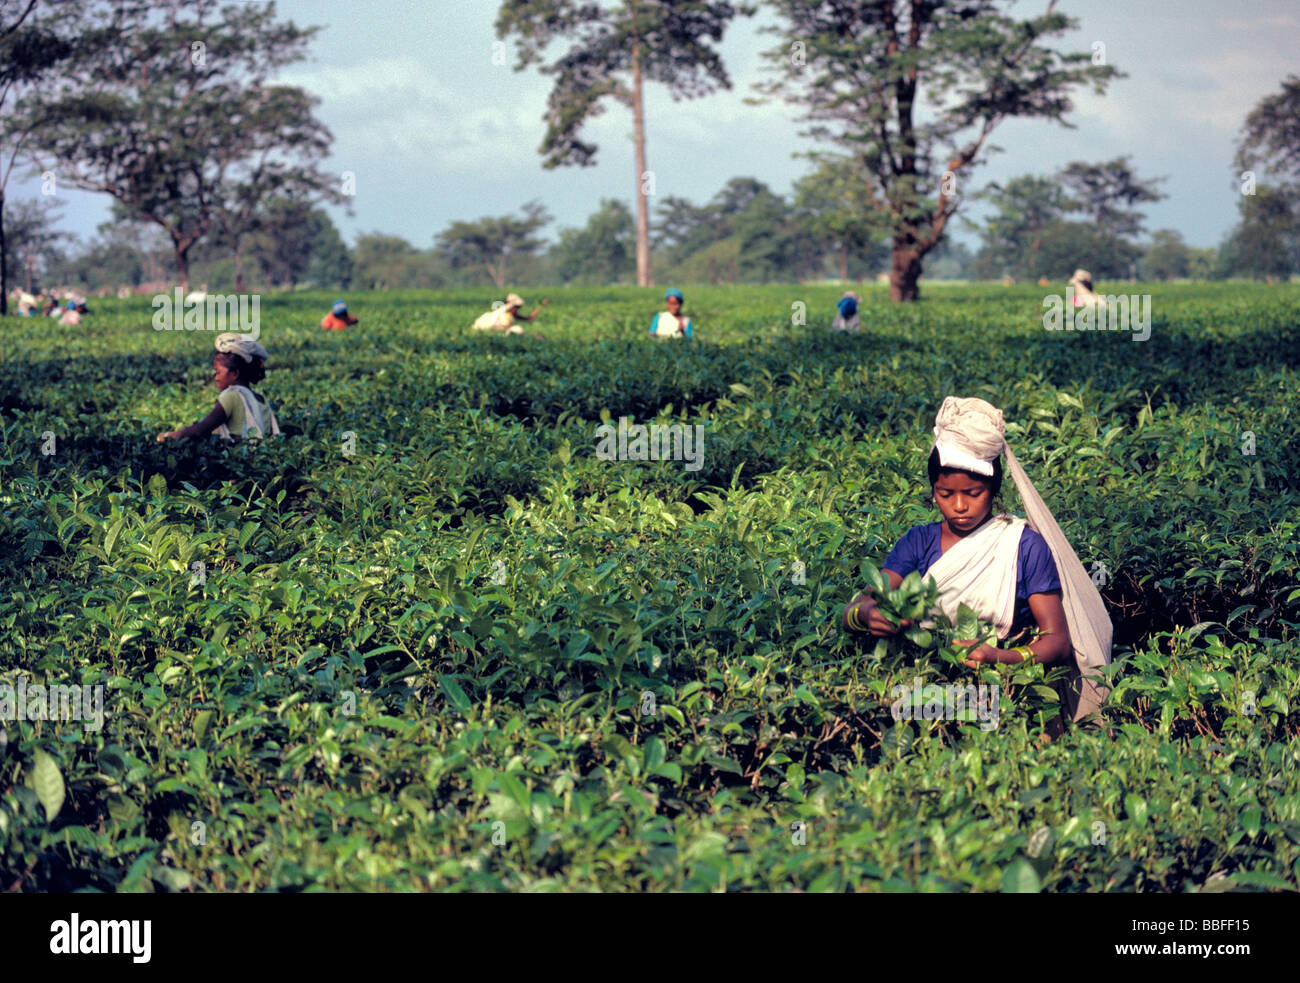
1020	576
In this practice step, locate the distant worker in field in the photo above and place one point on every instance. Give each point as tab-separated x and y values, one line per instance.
26	304
503	318
1019	575
239	364
846	313
71	314
672	323
1083	292
338	318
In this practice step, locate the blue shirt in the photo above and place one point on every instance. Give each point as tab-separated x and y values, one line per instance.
1035	569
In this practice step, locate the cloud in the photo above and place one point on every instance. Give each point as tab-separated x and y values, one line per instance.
399	111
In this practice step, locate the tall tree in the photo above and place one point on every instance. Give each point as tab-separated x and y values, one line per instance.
1065	246
331	262
1023	209
1271	133
860	69
122	254
493	242
384	262
835	202
1107	192
176	120
281	245
615	47
682	228
35	39
770	246
31	244
1266	242
603	251
1167	258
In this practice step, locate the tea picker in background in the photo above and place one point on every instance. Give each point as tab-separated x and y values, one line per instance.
846	313
1017	574
238	364
338	318
71	314
1083	292
503	318
672	323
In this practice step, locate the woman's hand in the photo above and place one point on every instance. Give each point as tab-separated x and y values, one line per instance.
980	655
871	618
168	435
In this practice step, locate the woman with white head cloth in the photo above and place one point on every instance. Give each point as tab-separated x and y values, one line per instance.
502	317
1084	295
238	365
1019	575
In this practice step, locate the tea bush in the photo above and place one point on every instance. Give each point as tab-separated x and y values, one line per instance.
429	640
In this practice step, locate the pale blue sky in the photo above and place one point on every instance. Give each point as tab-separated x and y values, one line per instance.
435	131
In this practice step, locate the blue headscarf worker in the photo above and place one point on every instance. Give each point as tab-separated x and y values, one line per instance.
672	323
847	317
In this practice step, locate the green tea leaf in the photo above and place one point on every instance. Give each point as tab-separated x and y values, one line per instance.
47	780
1019	877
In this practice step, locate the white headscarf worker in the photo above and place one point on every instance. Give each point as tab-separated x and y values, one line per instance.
1083	292
969	434
241	345
258	415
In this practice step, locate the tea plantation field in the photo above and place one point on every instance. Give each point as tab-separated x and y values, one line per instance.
430	641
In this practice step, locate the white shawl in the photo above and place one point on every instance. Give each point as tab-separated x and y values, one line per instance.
980	572
263	422
969	434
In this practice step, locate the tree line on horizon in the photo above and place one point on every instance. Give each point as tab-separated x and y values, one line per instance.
170	108
745	234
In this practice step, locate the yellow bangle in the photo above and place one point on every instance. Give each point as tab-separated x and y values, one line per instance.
854	621
1026	653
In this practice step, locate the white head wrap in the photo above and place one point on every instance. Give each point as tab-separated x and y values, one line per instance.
241	345
969	435
1081	276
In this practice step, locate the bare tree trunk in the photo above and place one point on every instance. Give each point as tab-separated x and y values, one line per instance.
905	273
183	269
4	262
239	268
843	258
643	276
